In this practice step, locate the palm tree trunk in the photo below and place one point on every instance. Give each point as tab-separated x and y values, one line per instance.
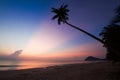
98	39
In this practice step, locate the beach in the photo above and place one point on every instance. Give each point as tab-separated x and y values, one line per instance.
84	71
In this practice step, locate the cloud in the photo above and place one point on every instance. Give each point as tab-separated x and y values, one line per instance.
16	53
13	56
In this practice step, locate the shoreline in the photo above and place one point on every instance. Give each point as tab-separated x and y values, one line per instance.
85	71
5	67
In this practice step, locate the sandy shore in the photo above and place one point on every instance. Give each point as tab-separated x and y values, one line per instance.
86	71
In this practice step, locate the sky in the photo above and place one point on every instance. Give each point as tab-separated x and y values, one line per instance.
27	25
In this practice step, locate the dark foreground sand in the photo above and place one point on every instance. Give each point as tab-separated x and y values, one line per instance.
86	71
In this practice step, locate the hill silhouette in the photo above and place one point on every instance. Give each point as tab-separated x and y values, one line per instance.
91	58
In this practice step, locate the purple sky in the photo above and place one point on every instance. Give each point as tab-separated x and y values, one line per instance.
27	25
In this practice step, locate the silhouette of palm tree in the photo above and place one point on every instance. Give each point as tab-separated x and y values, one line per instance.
110	36
111	41
116	19
62	17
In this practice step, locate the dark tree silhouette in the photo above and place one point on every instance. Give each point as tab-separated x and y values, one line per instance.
62	17
111	37
116	19
110	34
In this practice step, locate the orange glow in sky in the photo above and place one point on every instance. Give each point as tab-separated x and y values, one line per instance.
47	40
26	25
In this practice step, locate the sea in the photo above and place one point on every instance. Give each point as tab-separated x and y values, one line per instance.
17	65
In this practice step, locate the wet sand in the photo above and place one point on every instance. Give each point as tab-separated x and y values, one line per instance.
85	71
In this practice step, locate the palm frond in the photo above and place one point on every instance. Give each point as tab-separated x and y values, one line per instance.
54	17
61	13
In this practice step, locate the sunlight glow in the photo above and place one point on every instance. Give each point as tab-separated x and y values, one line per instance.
45	40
